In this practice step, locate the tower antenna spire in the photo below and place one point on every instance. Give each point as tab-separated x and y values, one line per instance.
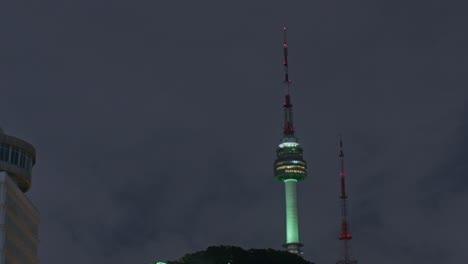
285	62
345	234
288	113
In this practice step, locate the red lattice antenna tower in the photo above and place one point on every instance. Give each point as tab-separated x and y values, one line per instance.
345	235
288	129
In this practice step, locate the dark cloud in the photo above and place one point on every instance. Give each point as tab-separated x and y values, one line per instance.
156	125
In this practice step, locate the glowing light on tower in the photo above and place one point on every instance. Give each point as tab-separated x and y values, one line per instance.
289	166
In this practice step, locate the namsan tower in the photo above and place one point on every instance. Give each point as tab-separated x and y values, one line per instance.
289	166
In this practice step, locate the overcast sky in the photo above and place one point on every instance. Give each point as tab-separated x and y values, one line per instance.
156	124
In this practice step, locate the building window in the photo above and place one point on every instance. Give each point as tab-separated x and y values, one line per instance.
14	159
5	152
26	161
22	160
1	152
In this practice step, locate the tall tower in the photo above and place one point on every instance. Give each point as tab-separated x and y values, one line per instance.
289	166
345	235
19	218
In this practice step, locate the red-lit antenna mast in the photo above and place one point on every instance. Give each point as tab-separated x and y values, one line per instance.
288	114
345	235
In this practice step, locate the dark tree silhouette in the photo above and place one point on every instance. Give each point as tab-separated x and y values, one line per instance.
237	255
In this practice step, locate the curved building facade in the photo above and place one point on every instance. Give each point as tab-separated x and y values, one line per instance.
19	218
17	157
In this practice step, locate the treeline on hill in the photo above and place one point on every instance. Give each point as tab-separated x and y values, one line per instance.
237	255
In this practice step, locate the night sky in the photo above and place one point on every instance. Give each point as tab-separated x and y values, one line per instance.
156	125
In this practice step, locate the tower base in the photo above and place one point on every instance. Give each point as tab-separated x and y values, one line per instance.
294	248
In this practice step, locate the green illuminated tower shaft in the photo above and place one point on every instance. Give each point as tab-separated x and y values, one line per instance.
292	226
289	166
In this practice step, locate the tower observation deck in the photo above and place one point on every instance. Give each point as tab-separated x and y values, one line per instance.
289	166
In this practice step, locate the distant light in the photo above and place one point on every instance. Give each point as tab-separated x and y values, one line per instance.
288	144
